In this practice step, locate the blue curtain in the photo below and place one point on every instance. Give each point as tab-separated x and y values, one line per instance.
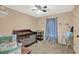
51	30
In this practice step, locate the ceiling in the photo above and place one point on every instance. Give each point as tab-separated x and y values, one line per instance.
52	9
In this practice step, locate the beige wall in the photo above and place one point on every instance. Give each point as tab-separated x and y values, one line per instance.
16	20
63	18
76	28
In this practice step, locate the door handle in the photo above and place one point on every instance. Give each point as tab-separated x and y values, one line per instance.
77	35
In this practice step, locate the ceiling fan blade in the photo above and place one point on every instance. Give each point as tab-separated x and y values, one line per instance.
44	10
45	7
34	9
38	6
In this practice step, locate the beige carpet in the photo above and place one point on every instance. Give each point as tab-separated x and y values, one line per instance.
44	47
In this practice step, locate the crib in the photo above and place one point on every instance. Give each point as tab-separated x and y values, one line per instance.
9	45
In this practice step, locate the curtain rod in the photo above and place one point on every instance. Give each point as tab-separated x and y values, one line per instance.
52	17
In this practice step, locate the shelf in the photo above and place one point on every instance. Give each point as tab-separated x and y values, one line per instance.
40	35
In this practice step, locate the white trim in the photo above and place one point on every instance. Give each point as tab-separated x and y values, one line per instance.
45	30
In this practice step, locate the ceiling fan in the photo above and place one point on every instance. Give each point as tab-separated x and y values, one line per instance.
40	8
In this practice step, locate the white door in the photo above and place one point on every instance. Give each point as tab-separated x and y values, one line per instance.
76	33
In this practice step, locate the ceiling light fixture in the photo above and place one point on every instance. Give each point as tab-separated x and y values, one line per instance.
39	12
